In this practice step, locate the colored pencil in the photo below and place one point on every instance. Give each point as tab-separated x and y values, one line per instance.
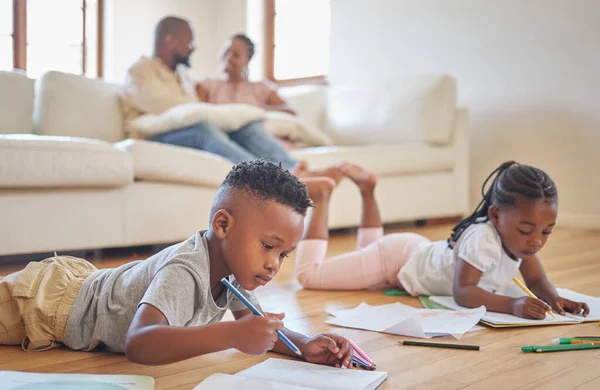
254	310
558	348
360	364
360	352
372	366
575	341
528	292
358	357
440	345
359	360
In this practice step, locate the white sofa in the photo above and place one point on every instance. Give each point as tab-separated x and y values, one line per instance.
69	180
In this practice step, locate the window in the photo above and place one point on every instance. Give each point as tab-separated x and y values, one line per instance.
40	35
6	30
297	40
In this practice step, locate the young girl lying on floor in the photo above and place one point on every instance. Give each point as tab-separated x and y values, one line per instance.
504	234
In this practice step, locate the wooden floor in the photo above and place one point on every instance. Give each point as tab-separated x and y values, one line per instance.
571	259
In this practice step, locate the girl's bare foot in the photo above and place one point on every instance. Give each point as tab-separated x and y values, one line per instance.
319	188
365	181
301	171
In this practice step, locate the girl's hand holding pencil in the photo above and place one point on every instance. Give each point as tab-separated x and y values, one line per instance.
528	307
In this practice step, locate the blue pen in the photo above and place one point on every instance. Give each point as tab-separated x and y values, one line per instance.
254	310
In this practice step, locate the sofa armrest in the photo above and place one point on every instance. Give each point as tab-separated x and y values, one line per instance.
308	101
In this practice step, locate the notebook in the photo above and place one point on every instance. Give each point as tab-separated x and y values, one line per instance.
30	380
234	382
295	375
592	302
503	320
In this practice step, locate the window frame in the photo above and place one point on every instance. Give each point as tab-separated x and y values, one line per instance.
269	46
19	36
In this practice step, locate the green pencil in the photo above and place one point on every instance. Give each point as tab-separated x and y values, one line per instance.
440	345
568	340
558	348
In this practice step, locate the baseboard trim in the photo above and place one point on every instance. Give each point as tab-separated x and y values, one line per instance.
579	220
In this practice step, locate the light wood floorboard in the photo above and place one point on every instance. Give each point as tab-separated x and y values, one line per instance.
571	259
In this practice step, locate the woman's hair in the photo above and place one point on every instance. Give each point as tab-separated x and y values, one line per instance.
512	180
249	44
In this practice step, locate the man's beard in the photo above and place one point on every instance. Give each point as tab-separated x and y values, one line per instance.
183	60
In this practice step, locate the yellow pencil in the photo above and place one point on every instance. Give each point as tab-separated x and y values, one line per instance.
524	288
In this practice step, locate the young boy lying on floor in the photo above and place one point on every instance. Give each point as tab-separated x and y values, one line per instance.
168	308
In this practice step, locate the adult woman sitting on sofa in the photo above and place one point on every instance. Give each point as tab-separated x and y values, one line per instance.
235	87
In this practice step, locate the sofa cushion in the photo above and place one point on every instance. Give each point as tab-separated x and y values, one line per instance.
382	160
414	109
295	129
158	162
16	103
48	161
75	106
227	117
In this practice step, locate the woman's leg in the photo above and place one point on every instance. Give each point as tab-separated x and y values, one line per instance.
255	139
258	141
207	137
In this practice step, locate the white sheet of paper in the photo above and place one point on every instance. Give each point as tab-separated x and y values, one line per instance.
235	382
503	318
396	318
477	328
30	380
294	372
592	302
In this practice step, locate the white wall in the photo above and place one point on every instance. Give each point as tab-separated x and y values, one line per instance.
231	19
528	71
246	17
129	32
255	29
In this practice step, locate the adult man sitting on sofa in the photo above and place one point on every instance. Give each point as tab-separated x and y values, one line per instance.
152	86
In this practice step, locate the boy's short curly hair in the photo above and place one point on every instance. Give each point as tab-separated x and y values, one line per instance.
265	180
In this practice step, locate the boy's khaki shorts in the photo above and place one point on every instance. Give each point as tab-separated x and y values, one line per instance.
35	302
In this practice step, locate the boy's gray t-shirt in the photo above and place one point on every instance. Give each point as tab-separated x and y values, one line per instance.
176	281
